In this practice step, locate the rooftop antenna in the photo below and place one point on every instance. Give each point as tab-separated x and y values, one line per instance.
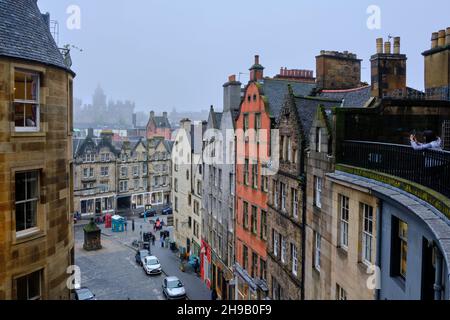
241	73
54	30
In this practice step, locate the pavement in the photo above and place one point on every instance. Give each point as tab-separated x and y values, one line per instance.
112	273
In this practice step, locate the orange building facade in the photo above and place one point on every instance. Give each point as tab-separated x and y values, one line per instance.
252	150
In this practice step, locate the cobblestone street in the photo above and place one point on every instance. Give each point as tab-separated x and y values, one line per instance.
112	273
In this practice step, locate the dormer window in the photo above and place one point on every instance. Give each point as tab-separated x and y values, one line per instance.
26	101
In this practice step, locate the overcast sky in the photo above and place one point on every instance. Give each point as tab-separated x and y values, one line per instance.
177	53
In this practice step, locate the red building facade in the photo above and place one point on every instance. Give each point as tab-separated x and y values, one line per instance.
251	190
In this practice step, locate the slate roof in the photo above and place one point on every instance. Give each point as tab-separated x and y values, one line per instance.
307	110
275	91
24	34
161	122
353	98
218	118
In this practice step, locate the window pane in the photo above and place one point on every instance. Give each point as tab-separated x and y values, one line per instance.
20	216
31	209
34	285
32	185
22	288
20	186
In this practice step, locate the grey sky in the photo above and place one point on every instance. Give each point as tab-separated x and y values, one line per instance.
164	54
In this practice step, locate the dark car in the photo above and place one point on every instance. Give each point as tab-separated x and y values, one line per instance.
167	211
149	213
84	294
140	255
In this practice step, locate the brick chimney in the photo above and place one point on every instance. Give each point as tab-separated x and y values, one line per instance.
257	70
298	75
437	66
338	70
231	94
388	70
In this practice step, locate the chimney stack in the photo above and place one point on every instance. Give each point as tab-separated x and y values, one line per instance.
338	70
388	70
257	70
437	66
231	94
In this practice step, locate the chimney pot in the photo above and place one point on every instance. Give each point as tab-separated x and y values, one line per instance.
397	45
447	37
441	39
232	78
387	47
256	59
434	40
380	45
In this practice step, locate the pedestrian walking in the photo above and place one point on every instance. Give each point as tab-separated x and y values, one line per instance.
162	242
153	240
213	294
132	225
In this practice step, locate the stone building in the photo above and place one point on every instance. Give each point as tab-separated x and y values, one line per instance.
377	212
160	171
219	193
186	198
95	175
287	197
132	175
36	96
159	126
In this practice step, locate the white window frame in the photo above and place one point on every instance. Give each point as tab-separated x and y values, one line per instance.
317	250
275	243
295	203
318	195
283	249
294	258
30	102
283	196
35	227
276	194
344	217
367	233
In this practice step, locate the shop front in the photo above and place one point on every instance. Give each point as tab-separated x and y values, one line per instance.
205	263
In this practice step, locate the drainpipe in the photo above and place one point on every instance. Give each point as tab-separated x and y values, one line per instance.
379	244
438	277
303	158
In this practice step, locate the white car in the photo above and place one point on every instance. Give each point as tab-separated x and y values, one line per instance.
173	288
151	265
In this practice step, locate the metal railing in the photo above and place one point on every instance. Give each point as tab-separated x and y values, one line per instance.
429	168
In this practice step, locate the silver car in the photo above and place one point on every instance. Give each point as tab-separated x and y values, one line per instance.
151	265
173	289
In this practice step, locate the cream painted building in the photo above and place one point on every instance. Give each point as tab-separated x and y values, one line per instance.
186	198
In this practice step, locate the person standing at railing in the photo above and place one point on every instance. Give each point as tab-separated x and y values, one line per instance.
432	142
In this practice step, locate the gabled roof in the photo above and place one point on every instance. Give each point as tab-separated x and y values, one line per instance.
24	34
275	91
307	108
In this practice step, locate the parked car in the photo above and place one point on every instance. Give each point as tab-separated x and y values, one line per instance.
151	265
84	294
149	213
140	255
167	211
173	288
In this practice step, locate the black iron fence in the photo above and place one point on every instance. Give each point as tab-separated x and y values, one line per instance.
429	168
